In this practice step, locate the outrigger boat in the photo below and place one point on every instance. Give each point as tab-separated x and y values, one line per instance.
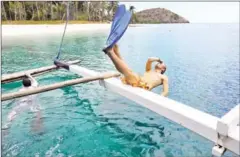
224	131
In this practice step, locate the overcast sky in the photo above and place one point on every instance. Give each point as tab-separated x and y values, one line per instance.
196	12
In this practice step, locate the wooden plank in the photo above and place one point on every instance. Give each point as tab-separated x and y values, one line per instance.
56	85
34	72
199	122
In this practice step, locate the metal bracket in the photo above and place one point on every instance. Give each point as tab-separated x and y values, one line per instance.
218	150
102	83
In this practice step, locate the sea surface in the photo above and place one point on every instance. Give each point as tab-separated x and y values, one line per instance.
87	120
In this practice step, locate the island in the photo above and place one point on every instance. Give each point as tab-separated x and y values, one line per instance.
157	16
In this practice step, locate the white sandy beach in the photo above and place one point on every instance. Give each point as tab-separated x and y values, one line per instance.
22	30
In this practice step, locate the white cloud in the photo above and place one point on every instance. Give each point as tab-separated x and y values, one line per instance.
196	12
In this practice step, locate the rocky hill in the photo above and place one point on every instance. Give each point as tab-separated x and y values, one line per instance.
158	15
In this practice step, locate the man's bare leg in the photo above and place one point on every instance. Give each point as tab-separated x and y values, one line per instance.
120	65
117	52
129	76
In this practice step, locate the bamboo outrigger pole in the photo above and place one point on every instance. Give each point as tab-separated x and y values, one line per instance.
7	78
57	85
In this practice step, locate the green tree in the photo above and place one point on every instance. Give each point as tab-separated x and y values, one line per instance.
56	10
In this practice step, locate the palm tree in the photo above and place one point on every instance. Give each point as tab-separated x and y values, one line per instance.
4	11
55	10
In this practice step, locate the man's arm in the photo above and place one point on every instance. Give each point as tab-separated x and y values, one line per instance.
165	86
149	62
33	81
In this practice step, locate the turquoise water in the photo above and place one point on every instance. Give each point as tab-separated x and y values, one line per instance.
87	120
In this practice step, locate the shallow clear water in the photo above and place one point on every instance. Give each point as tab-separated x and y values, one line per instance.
87	120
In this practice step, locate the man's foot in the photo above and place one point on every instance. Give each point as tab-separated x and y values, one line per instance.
107	50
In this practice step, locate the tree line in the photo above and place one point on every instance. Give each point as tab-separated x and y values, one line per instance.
56	10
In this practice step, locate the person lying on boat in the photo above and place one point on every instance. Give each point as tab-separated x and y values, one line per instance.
25	103
151	78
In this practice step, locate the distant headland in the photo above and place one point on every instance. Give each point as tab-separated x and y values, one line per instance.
158	15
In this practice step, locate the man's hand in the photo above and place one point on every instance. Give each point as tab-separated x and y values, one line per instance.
155	59
165	86
149	62
33	81
160	61
28	75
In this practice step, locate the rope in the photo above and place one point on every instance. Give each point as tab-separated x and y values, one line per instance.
60	47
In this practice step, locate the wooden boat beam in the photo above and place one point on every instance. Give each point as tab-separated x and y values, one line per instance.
45	88
7	78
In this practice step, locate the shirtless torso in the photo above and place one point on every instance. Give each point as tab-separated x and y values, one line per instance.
153	79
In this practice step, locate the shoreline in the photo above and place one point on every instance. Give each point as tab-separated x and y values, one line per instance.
25	30
14	30
46	29
28	30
